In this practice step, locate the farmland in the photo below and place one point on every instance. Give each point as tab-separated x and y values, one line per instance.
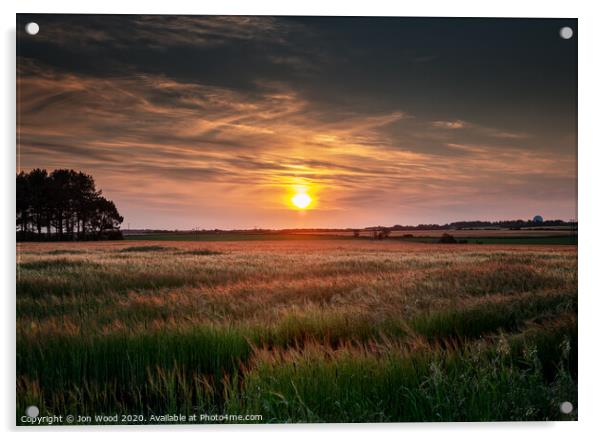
305	330
529	236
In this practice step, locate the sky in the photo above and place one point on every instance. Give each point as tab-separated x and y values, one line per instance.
219	121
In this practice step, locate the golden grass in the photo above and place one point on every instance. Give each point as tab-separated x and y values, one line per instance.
261	300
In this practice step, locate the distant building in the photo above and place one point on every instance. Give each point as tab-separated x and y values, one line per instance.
538	219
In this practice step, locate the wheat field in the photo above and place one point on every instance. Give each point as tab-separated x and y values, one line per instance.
298	331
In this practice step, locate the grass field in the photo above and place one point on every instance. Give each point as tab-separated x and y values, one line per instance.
308	330
471	236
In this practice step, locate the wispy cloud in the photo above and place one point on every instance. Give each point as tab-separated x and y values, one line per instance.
162	31
178	148
452	125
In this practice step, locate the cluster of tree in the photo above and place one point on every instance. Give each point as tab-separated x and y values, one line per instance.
506	224
63	205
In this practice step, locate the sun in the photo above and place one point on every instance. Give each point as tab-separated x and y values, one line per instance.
301	200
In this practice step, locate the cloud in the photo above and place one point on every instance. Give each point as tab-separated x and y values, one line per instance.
159	31
473	130
189	150
452	125
508	135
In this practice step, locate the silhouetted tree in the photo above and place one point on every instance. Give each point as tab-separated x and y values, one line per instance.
23	202
65	203
38	193
104	216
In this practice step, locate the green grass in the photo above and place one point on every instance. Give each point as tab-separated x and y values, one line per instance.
466	384
352	331
205	368
488	317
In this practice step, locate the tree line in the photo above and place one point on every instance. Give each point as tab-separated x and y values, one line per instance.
63	205
508	224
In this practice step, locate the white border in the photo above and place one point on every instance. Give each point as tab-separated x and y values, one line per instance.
590	213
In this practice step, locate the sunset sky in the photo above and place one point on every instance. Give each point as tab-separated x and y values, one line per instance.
217	122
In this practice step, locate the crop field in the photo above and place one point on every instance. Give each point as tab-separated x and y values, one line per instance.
312	330
472	236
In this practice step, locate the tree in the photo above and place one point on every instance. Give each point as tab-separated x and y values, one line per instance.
65	203
59	195
38	192
104	216
23	202
87	193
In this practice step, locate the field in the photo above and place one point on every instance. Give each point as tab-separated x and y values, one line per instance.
472	236
305	330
